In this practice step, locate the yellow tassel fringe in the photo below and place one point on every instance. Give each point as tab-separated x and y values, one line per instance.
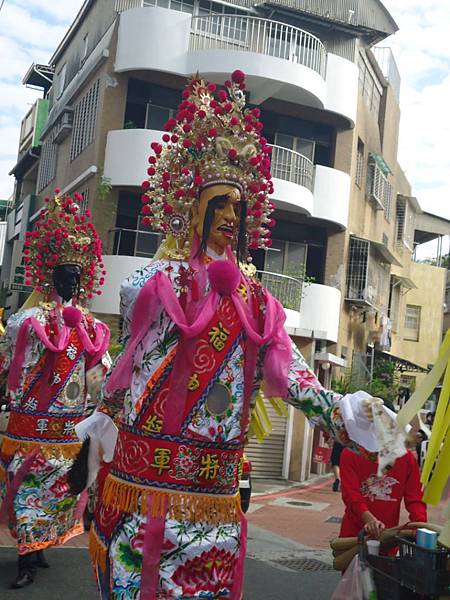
9	447
181	506
260	424
97	550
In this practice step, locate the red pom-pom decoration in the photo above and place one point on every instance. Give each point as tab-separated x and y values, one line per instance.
224	277
72	316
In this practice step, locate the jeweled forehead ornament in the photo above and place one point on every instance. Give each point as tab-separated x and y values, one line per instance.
213	139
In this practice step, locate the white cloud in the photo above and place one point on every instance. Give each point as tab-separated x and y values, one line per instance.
422	51
63	12
30	31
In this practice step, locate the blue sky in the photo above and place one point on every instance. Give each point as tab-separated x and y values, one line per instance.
30	30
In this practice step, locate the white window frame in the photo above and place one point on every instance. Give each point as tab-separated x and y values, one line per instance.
61	81
85	49
412	312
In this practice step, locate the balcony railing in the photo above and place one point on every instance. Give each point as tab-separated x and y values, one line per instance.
252	34
292	166
133	242
288	290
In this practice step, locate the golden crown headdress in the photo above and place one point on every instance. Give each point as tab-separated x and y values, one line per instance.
213	139
62	235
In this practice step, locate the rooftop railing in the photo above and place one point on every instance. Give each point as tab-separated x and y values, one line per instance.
263	36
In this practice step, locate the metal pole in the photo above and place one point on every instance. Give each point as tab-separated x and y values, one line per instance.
372	361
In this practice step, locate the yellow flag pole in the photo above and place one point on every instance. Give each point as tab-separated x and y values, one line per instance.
425	389
436	469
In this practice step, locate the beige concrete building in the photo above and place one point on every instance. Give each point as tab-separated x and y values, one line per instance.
345	211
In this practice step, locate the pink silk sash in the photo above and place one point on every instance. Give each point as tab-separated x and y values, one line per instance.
159	291
96	348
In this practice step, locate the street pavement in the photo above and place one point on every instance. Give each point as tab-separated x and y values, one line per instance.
290	526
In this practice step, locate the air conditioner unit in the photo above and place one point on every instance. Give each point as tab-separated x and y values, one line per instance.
63	125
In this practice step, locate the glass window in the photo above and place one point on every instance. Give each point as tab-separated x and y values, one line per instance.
286	258
275	257
85	48
300	145
61	82
412	322
295	260
157	116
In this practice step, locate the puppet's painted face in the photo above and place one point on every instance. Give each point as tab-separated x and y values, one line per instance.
66	279
217	213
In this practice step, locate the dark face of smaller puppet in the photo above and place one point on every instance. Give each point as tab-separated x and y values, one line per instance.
66	279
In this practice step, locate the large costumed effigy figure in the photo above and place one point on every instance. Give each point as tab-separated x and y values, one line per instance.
201	338
50	350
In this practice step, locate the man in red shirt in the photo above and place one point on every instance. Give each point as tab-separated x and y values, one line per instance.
373	502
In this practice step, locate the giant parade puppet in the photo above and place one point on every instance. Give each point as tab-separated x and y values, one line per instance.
49	350
202	339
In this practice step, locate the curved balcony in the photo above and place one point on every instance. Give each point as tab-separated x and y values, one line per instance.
118	268
300	186
126	154
281	61
319	316
261	36
331	195
293	176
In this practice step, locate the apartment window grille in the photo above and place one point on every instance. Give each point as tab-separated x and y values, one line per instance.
412	323
369	87
359	175
47	164
84	202
357	269
404	223
379	189
367	275
84	121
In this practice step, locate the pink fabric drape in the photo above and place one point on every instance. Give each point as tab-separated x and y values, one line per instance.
151	552
96	348
238	580
158	292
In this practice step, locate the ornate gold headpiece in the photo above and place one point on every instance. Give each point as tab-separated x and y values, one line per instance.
213	139
62	235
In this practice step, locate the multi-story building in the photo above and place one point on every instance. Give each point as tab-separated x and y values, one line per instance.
341	257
